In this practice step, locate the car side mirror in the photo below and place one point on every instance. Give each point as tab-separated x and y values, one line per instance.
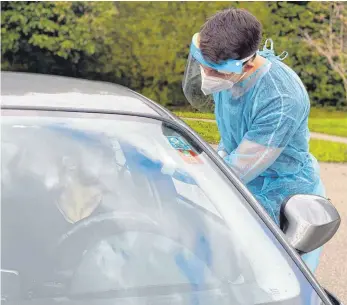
10	285
309	221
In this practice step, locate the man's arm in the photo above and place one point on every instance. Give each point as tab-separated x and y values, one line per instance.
276	122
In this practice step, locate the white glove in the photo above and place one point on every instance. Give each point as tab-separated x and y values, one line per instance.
222	153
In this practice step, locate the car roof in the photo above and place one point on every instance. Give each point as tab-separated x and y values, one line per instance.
23	90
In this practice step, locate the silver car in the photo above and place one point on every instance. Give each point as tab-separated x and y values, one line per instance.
107	198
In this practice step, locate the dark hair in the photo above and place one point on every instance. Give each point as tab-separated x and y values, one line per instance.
230	34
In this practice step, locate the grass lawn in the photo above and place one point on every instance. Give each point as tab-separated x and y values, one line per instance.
207	130
327	113
332	126
324	151
195	115
321	120
327	151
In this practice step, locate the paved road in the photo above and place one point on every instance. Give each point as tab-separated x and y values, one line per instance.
322	136
314	135
332	271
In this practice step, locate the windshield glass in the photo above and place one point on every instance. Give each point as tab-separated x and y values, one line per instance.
111	206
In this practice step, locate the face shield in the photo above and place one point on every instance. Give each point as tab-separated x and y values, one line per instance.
203	78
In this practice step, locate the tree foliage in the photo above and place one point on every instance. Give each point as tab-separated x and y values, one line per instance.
294	19
331	41
51	37
144	45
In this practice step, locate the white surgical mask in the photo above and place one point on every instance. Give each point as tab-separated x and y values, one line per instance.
212	84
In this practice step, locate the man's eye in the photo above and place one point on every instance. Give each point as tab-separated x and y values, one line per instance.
213	73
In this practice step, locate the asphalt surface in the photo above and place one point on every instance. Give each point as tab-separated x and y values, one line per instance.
332	270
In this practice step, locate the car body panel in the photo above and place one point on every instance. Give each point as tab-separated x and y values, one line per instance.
59	92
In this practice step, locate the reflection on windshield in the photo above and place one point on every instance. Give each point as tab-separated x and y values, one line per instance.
105	207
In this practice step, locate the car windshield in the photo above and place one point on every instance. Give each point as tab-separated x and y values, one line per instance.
128	208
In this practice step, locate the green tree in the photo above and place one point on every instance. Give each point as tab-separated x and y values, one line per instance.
289	21
156	37
331	41
144	45
52	37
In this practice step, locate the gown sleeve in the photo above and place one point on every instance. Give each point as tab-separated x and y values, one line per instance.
276	120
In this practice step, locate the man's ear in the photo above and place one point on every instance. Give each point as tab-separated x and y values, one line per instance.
248	66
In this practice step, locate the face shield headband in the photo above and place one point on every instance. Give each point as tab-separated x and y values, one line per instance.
228	66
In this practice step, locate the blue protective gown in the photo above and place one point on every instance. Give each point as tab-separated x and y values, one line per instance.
263	123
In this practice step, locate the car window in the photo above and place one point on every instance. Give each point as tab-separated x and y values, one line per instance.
121	206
